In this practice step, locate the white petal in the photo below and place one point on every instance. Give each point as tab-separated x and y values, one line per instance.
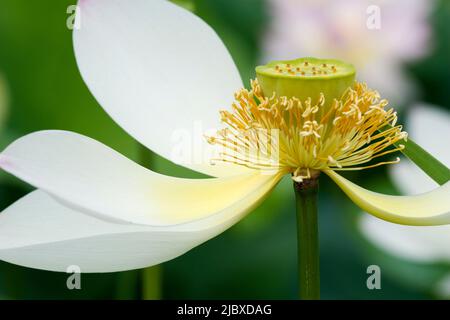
89	176
428	209
160	72
41	233
410	179
427	125
422	244
442	288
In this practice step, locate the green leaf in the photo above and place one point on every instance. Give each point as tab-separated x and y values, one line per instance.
425	161
435	169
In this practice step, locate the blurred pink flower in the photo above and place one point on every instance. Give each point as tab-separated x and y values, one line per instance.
342	29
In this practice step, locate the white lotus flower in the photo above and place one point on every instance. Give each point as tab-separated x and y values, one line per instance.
377	36
431	244
156	69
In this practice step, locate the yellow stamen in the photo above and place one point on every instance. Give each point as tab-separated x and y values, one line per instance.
300	137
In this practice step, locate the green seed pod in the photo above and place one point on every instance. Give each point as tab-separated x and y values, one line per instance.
306	77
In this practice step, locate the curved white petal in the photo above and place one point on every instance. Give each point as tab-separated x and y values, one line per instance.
418	243
427	125
41	233
432	208
160	72
87	175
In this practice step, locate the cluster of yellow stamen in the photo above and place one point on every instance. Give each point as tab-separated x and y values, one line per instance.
303	137
306	69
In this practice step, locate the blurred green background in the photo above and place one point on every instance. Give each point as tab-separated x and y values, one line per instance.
257	257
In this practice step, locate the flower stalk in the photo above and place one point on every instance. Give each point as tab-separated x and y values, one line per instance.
152	283
308	238
151	276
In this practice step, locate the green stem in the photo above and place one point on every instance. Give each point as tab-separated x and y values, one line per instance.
425	161
151	283
435	169
151	276
308	238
